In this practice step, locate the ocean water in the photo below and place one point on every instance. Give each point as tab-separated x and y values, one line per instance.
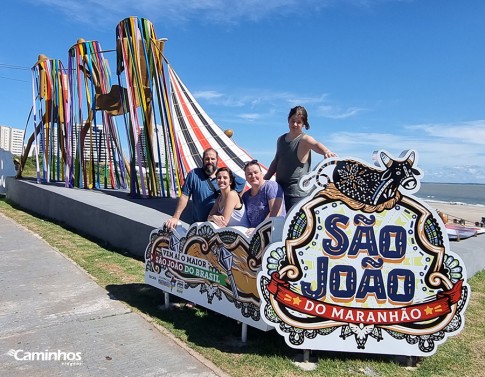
459	193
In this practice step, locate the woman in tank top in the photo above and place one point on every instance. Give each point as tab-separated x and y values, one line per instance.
293	156
228	210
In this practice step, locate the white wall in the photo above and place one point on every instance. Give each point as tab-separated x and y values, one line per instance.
7	168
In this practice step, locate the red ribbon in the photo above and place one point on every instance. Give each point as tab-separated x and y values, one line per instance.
406	314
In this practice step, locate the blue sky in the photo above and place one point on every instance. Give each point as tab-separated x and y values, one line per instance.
373	74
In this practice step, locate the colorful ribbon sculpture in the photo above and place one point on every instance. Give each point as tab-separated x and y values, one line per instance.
51	110
98	157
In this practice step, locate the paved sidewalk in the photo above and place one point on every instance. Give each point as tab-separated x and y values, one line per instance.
51	309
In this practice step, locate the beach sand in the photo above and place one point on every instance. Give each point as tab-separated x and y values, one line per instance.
471	250
469	213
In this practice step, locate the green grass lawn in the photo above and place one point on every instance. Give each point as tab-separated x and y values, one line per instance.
217	338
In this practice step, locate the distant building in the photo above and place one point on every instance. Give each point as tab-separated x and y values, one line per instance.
156	145
11	139
96	139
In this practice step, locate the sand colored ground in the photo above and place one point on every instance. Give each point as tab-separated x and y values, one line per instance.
469	213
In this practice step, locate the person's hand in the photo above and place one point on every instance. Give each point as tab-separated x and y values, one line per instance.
171	223
329	153
250	231
218	220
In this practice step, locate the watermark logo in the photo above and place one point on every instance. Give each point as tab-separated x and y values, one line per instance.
66	358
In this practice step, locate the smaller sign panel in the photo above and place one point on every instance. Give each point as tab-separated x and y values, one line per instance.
365	266
212	267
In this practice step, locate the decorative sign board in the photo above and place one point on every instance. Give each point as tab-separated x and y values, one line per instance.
211	267
364	266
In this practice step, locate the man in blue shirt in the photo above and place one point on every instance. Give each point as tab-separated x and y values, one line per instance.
201	185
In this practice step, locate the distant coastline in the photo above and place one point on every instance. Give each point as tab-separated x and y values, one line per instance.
453	183
455	193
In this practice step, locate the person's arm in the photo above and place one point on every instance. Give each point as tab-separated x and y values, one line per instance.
275	207
214	208
231	202
240	184
213	216
271	169
181	204
274	164
317	147
275	199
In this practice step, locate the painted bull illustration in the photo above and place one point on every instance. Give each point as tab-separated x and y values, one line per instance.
367	185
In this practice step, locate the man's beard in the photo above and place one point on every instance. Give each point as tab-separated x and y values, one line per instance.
209	169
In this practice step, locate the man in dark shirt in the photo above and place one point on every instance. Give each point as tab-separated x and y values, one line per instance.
200	184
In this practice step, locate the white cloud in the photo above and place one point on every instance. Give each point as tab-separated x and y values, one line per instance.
451	152
254	98
250	117
305	101
207	95
447	152
336	112
465	132
175	11
251	98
